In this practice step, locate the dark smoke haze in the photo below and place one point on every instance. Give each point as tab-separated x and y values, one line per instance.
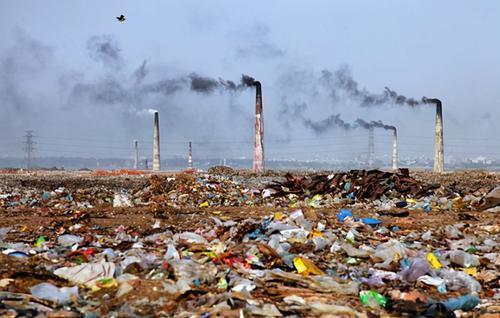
326	124
105	49
376	124
341	81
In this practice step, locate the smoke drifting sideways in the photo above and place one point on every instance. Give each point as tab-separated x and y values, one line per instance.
113	89
114	99
296	112
290	114
373	124
326	124
209	85
341	81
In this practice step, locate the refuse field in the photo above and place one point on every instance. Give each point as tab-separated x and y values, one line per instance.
234	244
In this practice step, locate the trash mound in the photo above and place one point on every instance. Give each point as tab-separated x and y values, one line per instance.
63	191
201	190
359	184
221	170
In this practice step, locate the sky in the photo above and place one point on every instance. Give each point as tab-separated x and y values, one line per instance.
87	84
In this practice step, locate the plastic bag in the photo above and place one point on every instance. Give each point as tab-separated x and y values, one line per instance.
63	295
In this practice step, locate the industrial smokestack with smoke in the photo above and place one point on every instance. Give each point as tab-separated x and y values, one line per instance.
156	143
438	143
258	144
371	144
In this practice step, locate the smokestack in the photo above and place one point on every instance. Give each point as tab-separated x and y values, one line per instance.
439	147
156	143
371	147
438	143
258	144
136	157
190	157
394	150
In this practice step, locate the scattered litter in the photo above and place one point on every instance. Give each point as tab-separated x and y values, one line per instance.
230	244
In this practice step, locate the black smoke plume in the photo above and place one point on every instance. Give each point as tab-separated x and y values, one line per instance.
209	85
373	124
203	84
380	124
290	114
248	80
342	81
326	124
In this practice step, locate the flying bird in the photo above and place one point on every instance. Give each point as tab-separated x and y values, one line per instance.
121	18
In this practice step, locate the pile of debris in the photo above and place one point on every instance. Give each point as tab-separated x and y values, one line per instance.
200	190
359	184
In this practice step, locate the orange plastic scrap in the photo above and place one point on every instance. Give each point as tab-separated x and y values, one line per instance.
100	173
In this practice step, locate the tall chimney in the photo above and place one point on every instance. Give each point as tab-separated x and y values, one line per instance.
394	150
258	143
156	143
136	157
190	156
438	143
371	147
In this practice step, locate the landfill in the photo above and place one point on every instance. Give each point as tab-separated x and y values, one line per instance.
229	243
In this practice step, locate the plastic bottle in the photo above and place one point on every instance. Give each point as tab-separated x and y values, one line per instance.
464	259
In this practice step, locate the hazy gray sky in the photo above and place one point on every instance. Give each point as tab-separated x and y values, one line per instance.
72	73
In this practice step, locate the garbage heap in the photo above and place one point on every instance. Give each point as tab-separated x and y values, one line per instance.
353	244
359	184
203	190
289	263
373	189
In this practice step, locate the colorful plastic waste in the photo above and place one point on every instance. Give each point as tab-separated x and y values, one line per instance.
372	299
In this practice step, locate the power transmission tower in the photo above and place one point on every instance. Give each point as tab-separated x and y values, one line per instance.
29	148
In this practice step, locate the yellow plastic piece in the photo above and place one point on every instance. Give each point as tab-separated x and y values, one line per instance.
278	216
305	267
434	261
471	271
